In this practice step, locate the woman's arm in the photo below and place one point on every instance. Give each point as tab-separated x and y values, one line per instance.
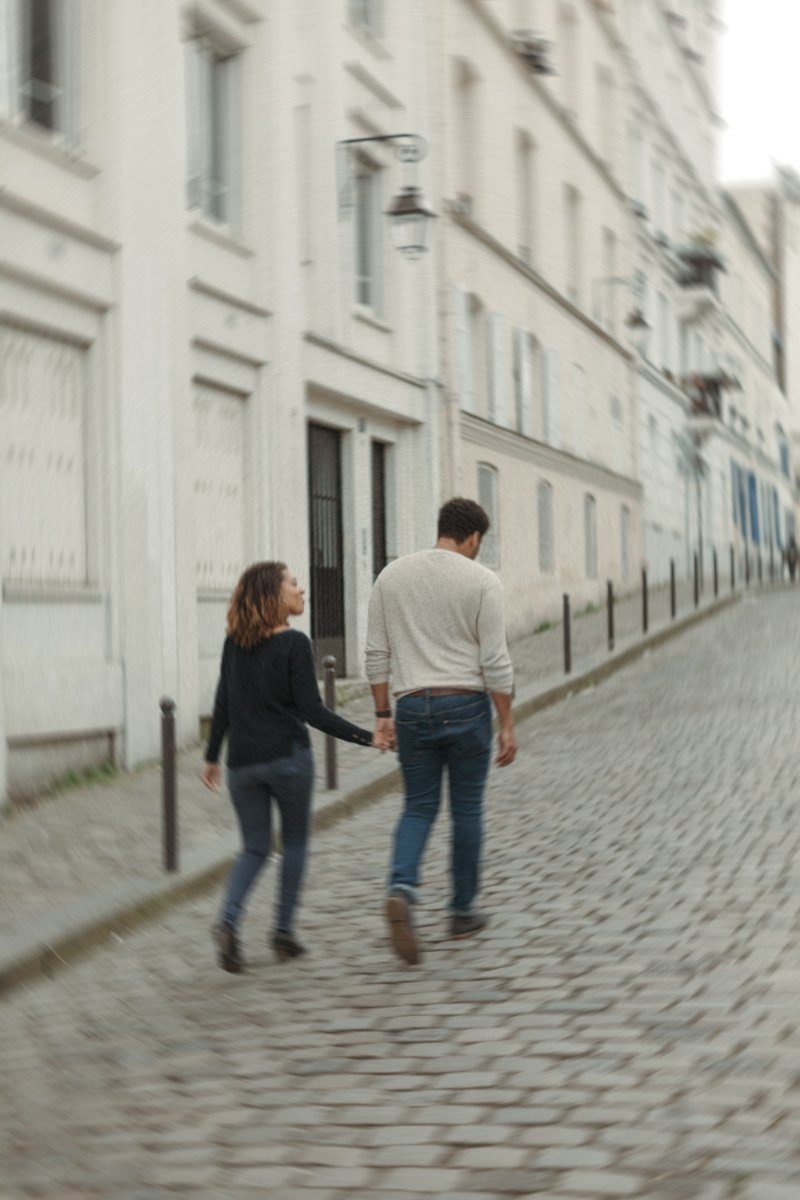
306	697
219	721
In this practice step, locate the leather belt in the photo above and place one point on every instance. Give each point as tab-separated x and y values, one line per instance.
445	692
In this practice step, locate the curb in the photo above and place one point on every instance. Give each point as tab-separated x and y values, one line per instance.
42	960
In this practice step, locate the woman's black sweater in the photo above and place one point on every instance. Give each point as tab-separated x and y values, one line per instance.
264	698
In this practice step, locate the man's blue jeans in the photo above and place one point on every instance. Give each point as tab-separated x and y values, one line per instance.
434	733
289	782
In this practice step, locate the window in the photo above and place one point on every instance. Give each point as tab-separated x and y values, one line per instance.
572	247
606	311
477	325
219	485
606	114
214	115
367	216
525	199
43	448
590	535
625	535
544	499
526	372
567	48
468	138
366	15
487	498
38	77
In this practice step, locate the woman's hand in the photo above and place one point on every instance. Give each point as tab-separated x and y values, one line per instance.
211	776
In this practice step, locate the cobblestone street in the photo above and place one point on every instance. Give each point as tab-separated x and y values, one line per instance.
627	1026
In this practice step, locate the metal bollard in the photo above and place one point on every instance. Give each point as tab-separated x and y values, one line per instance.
645	614
747	567
733	569
610	603
696	582
673	604
771	562
716	574
169	785
760	569
329	678
567	637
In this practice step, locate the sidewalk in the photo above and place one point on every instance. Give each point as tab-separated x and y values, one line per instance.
86	864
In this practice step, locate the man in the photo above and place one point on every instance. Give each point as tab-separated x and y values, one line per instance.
436	625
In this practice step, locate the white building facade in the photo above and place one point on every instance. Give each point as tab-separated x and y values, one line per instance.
540	421
211	354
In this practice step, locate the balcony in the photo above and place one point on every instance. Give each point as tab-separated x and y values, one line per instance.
705	392
534	50
697	276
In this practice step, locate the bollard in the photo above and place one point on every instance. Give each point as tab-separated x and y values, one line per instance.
329	677
696	582
733	569
610	603
645	615
168	785
716	574
747	567
567	637
771	562
673	604
760	569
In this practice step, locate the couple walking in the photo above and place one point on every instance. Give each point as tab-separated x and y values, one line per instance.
436	634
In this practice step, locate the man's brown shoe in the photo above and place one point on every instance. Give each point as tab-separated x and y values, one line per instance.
401	927
464	926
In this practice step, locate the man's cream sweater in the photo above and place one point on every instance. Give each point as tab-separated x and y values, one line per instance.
436	620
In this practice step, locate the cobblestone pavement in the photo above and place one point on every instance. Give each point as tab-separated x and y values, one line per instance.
628	1025
92	838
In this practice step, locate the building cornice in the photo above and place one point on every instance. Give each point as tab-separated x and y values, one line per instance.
215	293
506	441
23	207
471	226
323	343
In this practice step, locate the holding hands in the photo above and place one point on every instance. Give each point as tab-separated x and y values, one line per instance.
384	737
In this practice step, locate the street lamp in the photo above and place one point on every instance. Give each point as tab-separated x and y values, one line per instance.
408	211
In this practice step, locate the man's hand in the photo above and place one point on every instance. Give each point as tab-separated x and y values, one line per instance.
211	776
506	746
383	738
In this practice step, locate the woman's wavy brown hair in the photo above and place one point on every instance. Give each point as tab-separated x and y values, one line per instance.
256	608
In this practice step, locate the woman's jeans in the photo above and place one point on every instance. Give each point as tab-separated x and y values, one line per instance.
434	732
289	782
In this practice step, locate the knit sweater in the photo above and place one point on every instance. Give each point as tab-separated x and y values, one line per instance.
264	698
436	620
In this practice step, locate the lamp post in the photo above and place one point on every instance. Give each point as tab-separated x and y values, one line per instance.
408	211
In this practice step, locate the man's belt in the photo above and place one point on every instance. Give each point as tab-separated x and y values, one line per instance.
445	692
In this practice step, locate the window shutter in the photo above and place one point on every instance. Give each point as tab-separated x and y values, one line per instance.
70	34
581	414
232	115
499	367
464	373
552	400
487	498
525	360
10	52
197	81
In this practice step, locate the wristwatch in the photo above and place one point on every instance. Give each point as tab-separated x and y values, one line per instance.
383	712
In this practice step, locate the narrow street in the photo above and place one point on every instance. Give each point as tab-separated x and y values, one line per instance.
627	1026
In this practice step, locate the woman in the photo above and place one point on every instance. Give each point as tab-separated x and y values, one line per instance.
267	691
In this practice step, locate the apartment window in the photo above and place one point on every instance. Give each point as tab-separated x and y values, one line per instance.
366	15
567	48
527	371
214	115
367	216
606	114
607	292
525	198
467	136
487	498
572	238
38	63
544	498
590	535
625	536
479	373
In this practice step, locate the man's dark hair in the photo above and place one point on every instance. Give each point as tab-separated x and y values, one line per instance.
459	518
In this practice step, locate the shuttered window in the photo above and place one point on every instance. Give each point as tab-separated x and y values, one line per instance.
488	499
